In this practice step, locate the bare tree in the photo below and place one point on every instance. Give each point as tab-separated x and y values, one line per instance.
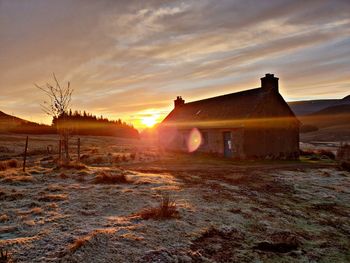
59	99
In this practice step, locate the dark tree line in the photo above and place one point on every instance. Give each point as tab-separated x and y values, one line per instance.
84	123
79	123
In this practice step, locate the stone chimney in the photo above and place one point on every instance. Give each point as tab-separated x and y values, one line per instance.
179	102
269	82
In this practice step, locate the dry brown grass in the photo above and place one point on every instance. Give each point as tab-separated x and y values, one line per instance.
167	209
107	178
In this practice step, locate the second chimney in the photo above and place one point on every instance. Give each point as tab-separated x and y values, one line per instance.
269	82
178	102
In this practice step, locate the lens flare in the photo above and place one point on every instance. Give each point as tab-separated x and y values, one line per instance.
194	140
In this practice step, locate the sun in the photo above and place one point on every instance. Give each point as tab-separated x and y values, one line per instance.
149	121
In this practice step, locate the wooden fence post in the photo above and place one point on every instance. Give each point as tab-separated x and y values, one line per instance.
78	149
25	155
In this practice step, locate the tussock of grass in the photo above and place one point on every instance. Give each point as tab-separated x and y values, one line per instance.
78	243
167	209
52	197
36	210
4	165
72	165
63	176
4	218
107	178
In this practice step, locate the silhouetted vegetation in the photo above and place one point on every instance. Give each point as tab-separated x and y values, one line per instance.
83	123
317	154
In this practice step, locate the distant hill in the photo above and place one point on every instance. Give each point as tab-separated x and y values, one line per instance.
311	106
8	121
13	124
333	110
330	123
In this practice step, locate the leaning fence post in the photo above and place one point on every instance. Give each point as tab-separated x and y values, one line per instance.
78	149
25	155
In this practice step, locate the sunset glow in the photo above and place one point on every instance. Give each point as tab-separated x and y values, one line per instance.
149	121
145	54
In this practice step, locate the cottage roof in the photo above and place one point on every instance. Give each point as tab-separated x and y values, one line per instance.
221	109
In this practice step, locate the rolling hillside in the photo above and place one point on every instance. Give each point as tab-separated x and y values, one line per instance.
8	122
330	122
311	106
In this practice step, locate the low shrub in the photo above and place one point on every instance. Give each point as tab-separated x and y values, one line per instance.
345	165
167	209
316	155
327	153
107	178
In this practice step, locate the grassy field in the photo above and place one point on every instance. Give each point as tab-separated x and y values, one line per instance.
131	202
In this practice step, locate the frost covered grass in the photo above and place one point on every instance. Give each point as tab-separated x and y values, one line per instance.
224	212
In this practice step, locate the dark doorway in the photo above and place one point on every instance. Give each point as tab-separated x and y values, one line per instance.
228	144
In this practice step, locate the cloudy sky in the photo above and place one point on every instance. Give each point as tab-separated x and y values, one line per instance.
130	59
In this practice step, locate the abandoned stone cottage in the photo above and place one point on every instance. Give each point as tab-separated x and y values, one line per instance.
251	124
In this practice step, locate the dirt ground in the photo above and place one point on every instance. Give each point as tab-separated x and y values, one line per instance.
227	211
